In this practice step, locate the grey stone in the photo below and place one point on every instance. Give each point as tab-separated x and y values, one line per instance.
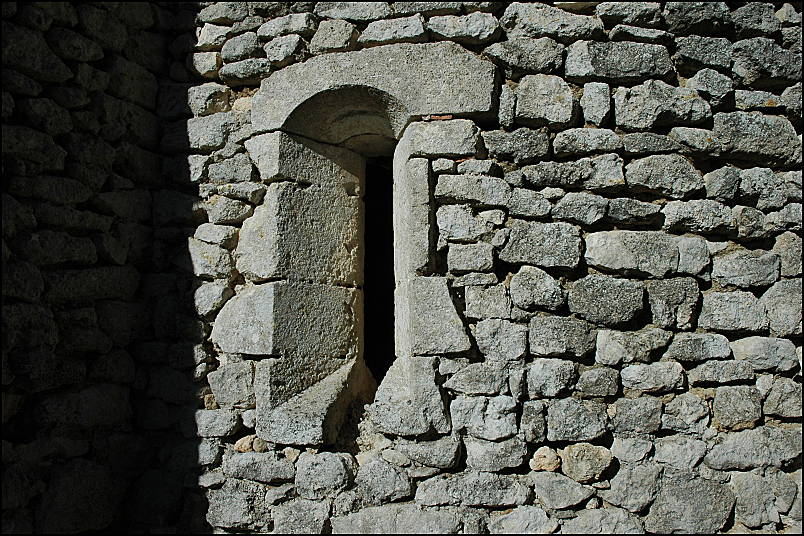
693	256
333	36
206	64
222	235
584	462
641	143
671	175
759	447
223	13
605	300
556	491
791	100
558	174
490	418
642	253
323	475
686	413
281	94
610	520
232	384
470	257
784	399
379	482
487	302
208	98
524	55
240	47
655	103
236	504
722	184
500	339
580	141
246	191
580	207
642	415
596	102
27	52
696	52
767	188
538	20
455	137
732	311
551	245
714	86
616	61
755	100
550	377
697	216
557	336
211	37
474	29
532	423
615	347
303	24
491	456
209	260
545	100
300	516
623	32
472	488
522	145
702	18
459	223
627	211
631	450
766	353
533	288
753	19
223	210
403	30
264	467
634	486
736	407
398	518
645	14
754	136
678	506
484	378
746	268
408	401
284	50
679	451
698	347
236	169
696	141
210	132
755	502
474	189
46	115
783	306
522	520
598	382
525	202
759	62
441	453
359	11
569	419
721	372
216	422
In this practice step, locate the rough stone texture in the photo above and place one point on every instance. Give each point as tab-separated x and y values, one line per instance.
732	311
545	100
678	506
550	245
655	103
605	300
616	62
671	175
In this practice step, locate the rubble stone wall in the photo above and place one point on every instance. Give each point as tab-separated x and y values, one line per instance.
597	232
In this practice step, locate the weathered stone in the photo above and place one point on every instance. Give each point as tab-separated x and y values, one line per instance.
442	453
764	353
702	18
403	30
686	413
490	456
456	137
303	24
472	488
333	36
632	252
653	378
758	447
500	339
712	85
379	482
538	20
236	504
545	459
754	136
551	245
525	202
642	415
760	62
721	372
485	378
222	235
209	260
596	102
784	399
678	506
545	100
746	268
550	377
459	223
610	520
584	462
482	189
769	189
569	419
522	145
629	211
616	61
671	175
605	300
240	47
215	422
642	143
698	347
300	516
264	467
696	52
655	103
359	11
634	486
782	303
490	418
723	183
556	491
598	382
736	407
636	13
755	505
474	29
557	336
533	288
577	141
615	347
487	302
522	520
732	311
206	64
398	518
580	207
232	384
523	55
679	451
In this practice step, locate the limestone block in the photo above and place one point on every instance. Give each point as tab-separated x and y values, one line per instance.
222	210
584	462
426	320
551	245
618	62
580	207
485	378
206	64
266	467
558	336
596	102
539	20
386	32
686	413
472	488
304	234
697	216
408	401
474	29
284	50
236	504
655	103
459	223
223	13
784	399
524	55
545	100
736	407
284	91
209	260
473	188
245	72
215	422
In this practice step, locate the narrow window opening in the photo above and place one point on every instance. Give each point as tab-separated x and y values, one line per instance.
378	267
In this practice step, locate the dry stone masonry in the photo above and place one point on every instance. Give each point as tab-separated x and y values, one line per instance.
596	213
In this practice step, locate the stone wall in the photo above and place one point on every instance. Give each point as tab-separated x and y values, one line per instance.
598	265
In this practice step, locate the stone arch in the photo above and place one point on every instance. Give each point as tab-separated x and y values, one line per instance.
301	252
